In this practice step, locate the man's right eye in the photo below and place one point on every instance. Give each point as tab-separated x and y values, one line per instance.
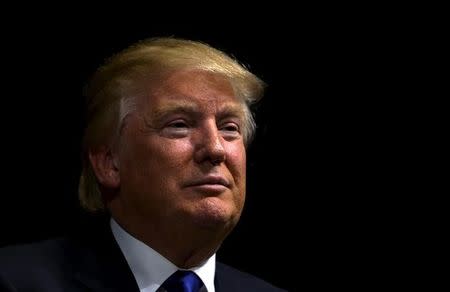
176	129
177	125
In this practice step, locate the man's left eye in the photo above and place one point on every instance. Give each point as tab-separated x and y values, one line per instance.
230	127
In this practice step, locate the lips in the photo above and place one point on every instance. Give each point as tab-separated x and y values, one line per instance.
209	180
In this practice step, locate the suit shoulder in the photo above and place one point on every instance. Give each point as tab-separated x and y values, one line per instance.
32	251
32	267
49	254
236	280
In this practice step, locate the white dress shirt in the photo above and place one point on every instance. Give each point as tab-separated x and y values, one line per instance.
151	269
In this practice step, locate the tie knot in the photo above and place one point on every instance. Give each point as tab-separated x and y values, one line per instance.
183	281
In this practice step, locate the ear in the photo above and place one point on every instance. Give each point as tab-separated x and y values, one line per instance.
105	167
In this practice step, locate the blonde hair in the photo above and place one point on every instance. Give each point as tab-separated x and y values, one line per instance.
112	88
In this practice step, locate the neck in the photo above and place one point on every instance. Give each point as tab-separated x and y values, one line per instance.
185	246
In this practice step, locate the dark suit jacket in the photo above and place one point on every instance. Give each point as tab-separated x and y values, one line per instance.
92	263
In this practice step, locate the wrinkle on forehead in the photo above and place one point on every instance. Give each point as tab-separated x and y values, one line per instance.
194	90
183	81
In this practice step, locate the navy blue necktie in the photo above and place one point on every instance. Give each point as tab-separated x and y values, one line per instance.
183	281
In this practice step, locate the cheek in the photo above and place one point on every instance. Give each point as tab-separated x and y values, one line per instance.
156	158
173	154
167	162
237	162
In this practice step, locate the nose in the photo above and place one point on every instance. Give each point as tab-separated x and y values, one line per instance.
209	145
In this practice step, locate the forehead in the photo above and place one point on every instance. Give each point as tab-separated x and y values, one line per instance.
192	87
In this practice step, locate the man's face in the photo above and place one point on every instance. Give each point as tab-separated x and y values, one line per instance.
181	156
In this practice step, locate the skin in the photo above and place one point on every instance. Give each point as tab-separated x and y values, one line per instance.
177	175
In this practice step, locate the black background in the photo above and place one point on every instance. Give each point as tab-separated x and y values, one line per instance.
318	212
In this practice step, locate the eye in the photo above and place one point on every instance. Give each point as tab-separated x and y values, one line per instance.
230	130
176	129
179	124
230	127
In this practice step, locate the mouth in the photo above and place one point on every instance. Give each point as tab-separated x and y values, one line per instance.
209	184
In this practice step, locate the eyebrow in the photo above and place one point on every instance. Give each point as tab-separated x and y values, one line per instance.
232	110
174	108
186	107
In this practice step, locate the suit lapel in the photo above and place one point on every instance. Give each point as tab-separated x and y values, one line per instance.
224	281
101	266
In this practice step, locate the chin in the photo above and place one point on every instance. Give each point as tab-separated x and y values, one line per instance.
215	213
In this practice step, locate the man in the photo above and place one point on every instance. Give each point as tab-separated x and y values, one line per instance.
168	122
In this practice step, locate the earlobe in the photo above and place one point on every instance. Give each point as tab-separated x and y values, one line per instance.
105	166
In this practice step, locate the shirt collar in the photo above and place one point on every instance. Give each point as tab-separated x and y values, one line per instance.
150	268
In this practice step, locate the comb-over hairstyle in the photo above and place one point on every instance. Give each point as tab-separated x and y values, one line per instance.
112	92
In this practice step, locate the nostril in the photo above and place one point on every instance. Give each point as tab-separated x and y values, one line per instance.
218	160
